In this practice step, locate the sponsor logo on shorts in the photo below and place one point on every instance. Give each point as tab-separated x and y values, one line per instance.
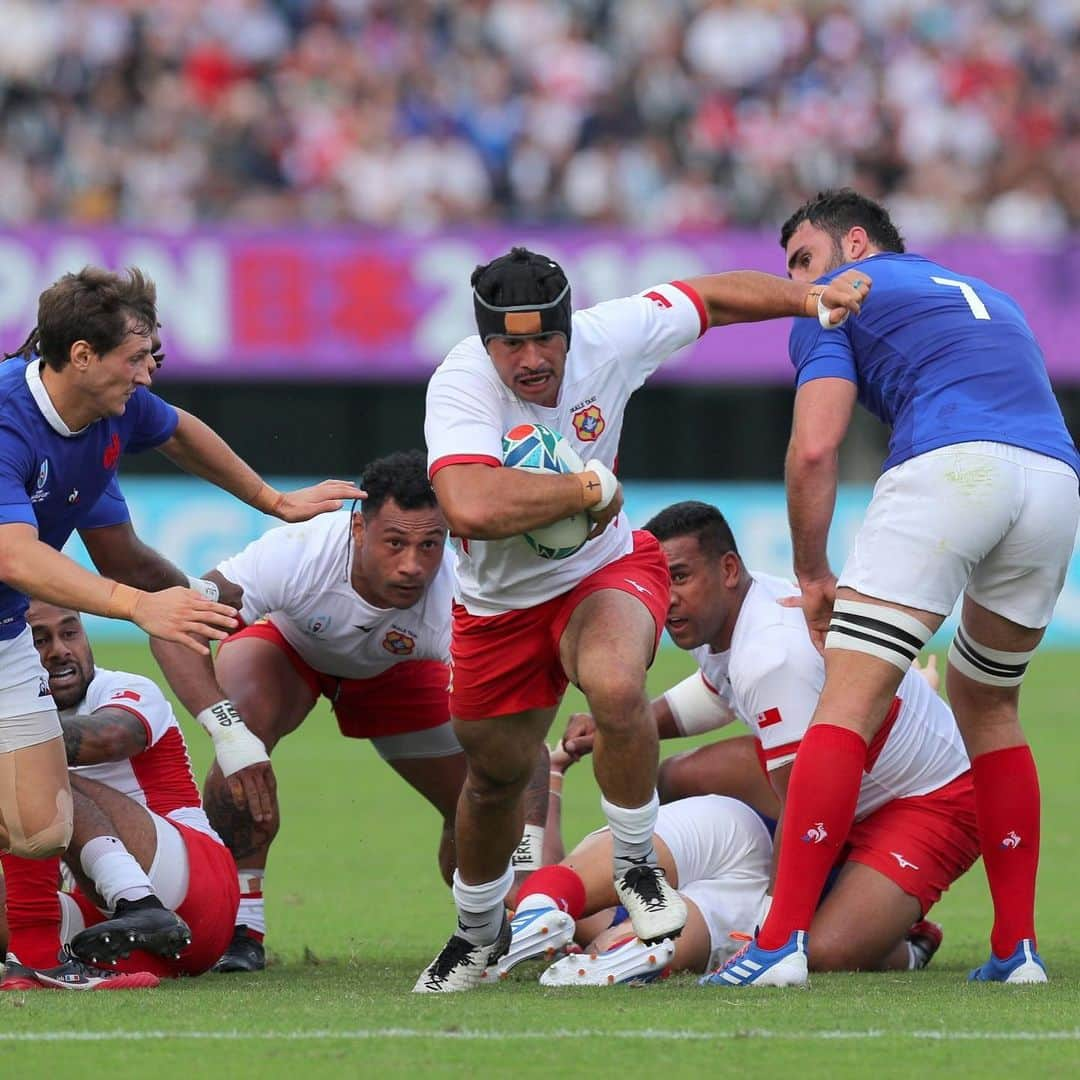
589	423
318	623
815	834
1011	839
399	643
902	862
640	588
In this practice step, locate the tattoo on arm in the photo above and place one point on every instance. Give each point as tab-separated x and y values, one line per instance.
106	735
536	794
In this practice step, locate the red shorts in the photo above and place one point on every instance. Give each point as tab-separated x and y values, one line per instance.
508	663
209	909
410	696
923	843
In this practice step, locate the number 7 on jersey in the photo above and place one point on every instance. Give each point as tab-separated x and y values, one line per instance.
978	308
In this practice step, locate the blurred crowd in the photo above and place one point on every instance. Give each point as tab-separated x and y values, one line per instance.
661	114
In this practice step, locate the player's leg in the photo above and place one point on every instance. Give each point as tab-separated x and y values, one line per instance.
35	798
259	675
725	767
606	649
113	849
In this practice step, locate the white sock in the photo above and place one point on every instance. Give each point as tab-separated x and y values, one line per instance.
632	832
480	907
536	900
251	912
114	871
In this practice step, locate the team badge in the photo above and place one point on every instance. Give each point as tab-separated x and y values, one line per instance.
589	423
398	643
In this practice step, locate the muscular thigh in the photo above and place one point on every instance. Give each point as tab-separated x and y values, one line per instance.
503	749
270	694
609	632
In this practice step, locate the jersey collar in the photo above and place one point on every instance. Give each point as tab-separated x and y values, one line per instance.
44	402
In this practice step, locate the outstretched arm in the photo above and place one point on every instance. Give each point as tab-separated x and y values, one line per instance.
198	449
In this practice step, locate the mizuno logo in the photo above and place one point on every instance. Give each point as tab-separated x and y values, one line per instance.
366	629
902	862
640	588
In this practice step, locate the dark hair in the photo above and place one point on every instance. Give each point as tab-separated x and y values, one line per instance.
696	519
96	306
839	209
401	476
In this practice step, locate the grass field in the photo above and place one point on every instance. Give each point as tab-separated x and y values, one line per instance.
356	909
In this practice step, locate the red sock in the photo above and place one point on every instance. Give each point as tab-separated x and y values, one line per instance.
562	884
1007	811
33	909
818	813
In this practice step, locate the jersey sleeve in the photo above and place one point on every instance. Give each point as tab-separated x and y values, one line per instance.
817	353
462	421
111	508
134	694
780	694
647	328
264	570
155	421
16	466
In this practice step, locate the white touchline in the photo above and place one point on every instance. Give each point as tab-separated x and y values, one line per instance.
559	1033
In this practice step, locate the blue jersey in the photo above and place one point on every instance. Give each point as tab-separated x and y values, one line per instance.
941	358
58	480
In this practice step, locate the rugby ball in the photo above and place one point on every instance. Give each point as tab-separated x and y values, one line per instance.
536	448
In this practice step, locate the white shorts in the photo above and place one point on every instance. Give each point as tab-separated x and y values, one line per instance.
723	853
991	520
435	742
27	713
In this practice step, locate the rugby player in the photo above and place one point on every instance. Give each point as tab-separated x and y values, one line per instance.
156	888
914	831
525	627
66	417
978	498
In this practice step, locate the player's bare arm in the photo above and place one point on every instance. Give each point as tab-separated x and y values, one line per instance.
176	614
240	753
823	409
482	502
740	296
108	734
198	449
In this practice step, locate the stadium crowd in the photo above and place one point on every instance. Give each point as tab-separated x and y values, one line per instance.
419	113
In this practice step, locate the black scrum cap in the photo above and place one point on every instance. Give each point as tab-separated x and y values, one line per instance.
521	294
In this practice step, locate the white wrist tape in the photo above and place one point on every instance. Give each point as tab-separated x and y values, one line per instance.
207	588
823	313
236	746
529	854
609	483
696	708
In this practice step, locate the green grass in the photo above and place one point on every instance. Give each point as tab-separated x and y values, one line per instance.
356	909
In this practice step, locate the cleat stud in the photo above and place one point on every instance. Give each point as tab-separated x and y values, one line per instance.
611	980
543	929
581	972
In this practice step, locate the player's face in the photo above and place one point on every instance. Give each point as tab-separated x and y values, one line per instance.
113	377
701	600
397	554
65	651
531	366
812	252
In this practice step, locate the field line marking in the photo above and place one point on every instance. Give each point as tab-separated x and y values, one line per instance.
476	1035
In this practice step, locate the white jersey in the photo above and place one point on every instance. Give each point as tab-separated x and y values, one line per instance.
299	577
723	855
772	676
614	348
158	777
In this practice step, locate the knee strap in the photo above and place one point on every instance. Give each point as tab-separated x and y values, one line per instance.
980	663
890	635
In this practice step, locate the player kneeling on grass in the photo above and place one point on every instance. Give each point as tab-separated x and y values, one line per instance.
914	831
156	889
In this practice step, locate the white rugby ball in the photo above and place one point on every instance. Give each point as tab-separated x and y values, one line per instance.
536	448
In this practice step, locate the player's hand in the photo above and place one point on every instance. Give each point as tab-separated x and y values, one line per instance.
256	788
844	295
816	602
929	672
306	503
603	518
577	741
184	616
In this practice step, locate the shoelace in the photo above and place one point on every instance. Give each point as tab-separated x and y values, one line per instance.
455	952
645	882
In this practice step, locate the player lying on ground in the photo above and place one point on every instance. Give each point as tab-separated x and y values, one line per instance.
525	627
156	889
357	609
915	829
979	498
74	399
